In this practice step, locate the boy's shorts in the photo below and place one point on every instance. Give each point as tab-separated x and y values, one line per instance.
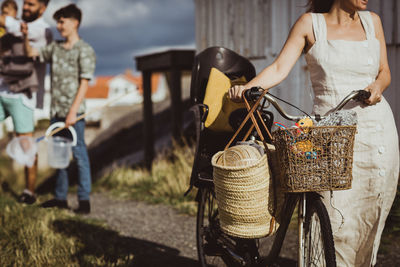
21	115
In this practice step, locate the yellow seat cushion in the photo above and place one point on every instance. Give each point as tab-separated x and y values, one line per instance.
219	105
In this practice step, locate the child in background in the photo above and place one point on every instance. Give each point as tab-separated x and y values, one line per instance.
72	66
8	8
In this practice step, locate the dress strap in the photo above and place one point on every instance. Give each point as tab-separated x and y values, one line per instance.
319	26
368	24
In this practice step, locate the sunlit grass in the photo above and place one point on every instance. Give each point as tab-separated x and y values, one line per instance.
165	183
32	236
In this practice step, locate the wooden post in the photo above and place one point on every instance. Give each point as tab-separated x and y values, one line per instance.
172	62
176	103
148	132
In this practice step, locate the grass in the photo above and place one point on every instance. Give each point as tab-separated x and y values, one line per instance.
166	183
31	236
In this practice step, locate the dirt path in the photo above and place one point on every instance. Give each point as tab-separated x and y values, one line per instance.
159	236
169	236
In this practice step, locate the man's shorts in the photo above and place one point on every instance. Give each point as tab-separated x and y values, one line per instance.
21	114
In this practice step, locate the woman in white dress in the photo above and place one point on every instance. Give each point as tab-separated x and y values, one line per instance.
345	50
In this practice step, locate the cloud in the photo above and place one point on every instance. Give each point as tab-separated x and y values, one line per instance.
119	30
109	13
100	12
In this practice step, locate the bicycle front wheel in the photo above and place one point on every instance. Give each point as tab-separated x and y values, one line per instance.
318	247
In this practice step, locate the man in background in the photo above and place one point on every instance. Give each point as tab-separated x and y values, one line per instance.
20	105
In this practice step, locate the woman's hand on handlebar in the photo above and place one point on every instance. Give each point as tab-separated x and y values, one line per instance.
235	93
376	94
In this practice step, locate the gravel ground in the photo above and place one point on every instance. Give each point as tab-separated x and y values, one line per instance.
169	236
159	236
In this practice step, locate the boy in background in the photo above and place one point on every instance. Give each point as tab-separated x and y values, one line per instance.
72	66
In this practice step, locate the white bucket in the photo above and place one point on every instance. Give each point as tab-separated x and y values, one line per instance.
59	149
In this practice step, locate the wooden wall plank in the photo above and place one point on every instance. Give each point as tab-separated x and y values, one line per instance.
396	22
375	6
387	11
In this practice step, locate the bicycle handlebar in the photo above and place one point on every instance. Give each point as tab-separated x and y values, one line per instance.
255	92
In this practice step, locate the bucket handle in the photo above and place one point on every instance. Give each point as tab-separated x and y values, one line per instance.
61	124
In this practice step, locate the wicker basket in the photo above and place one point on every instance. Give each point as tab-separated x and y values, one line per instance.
315	158
244	194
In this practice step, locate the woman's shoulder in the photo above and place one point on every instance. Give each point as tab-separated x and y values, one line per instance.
304	23
374	20
306	18
375	17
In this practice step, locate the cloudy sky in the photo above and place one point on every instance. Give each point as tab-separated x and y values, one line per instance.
121	29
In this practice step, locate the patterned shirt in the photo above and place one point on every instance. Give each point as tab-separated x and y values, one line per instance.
68	66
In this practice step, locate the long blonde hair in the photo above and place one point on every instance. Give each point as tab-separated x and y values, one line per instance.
319	6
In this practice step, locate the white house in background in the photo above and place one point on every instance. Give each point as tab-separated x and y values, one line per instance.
126	89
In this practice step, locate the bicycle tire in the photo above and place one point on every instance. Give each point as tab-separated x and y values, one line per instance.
319	249
212	244
207	218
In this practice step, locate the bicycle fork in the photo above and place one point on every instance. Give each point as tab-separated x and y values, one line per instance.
301	220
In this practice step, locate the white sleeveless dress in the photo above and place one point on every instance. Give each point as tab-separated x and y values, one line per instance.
336	68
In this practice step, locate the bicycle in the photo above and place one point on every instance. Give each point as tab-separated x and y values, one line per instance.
316	245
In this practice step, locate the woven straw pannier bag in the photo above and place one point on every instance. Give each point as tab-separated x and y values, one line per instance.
244	192
319	159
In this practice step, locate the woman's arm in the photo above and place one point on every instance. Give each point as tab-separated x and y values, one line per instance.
383	78
79	97
280	68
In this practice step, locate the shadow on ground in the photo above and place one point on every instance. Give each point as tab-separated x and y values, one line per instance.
98	242
7	189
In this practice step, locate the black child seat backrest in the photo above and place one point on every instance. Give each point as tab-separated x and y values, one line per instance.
227	61
234	66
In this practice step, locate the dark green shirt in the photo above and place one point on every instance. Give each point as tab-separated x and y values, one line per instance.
68	66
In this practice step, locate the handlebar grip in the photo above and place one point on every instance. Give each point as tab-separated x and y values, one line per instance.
253	93
362	95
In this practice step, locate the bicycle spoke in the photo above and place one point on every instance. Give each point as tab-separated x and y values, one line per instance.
317	251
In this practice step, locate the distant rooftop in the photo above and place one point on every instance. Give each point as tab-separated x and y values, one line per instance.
100	87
